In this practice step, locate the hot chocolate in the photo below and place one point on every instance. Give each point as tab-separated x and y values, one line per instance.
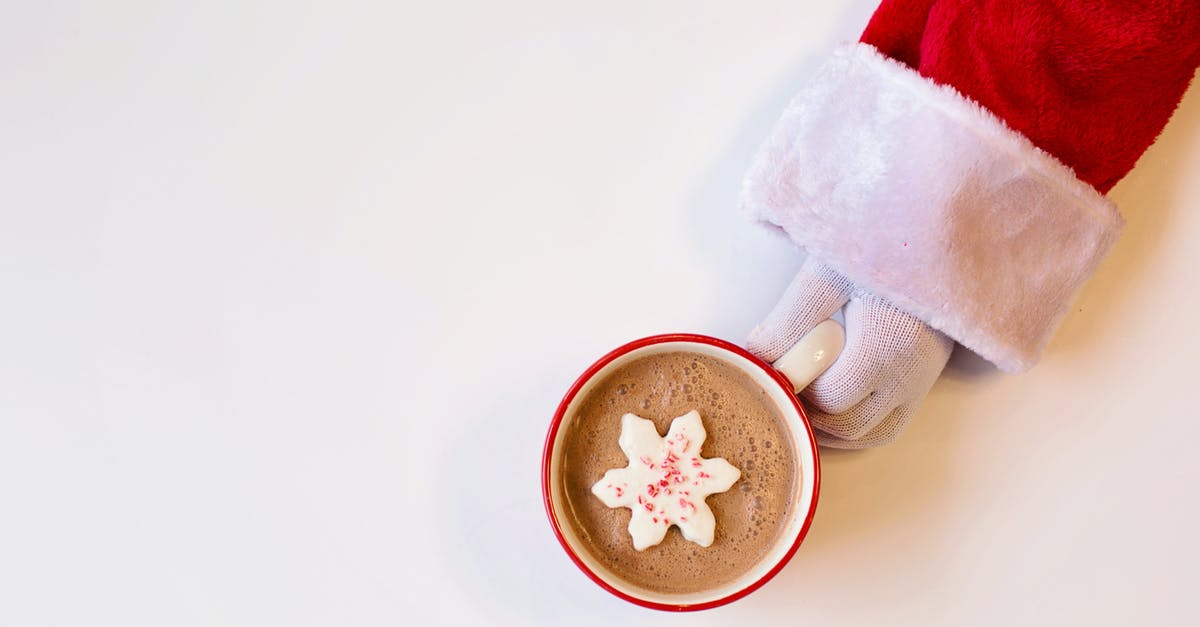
744	426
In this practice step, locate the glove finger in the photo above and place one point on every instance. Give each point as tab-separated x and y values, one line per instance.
811	298
885	348
890	361
886	432
850	378
859	419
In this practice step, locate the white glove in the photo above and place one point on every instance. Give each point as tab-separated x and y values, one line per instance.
886	368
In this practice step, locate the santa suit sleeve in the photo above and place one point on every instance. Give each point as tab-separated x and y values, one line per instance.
953	162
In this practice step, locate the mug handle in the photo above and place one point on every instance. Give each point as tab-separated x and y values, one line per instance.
812	355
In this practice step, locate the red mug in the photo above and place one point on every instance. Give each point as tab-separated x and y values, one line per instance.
781	380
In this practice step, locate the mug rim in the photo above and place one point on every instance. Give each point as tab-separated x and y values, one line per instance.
587	375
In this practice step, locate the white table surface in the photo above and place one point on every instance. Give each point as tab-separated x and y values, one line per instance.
290	294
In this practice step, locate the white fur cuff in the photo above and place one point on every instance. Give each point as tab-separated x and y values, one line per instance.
926	199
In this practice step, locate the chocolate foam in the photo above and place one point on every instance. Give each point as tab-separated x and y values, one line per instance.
744	426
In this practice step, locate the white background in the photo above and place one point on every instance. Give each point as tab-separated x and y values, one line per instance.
289	294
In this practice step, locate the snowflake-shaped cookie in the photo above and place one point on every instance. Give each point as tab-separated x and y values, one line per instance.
666	480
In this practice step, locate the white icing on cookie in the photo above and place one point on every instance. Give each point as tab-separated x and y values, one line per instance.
666	480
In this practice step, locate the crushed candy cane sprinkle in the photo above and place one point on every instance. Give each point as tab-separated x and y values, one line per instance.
666	480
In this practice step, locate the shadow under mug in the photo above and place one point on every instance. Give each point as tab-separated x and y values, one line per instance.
781	380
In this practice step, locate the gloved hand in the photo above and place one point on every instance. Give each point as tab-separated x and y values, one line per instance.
889	362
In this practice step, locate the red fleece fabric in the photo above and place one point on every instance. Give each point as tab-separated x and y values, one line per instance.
1091	82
